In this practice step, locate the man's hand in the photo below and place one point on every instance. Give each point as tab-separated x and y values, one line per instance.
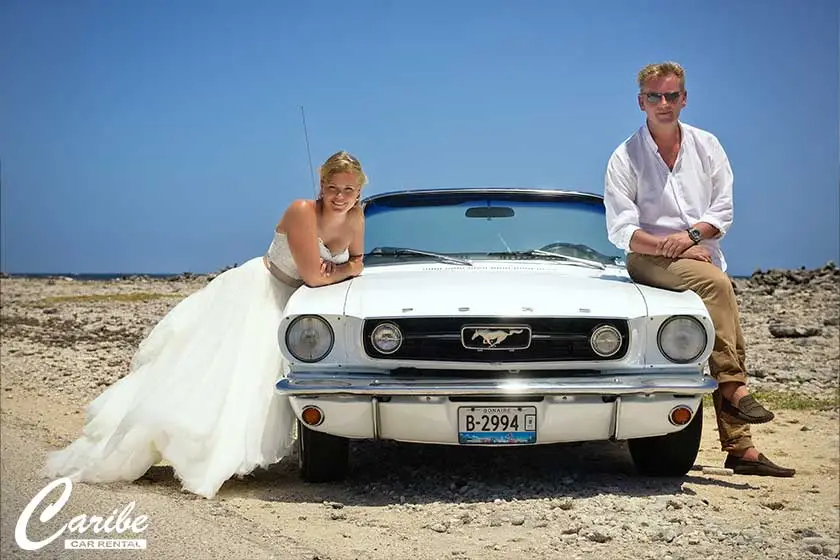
674	245
698	253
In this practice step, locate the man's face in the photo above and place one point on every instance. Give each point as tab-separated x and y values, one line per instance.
662	99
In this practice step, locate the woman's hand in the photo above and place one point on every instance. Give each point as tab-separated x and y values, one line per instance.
327	267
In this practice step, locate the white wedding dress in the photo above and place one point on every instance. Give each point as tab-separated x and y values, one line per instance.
200	391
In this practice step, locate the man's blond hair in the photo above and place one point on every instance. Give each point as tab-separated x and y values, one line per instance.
660	70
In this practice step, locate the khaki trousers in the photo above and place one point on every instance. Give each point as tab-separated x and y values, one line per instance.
728	359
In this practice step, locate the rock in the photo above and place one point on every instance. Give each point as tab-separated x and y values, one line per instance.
666	535
719	471
439	528
566	504
806	533
596	535
571	530
786	331
758	373
787	278
814	549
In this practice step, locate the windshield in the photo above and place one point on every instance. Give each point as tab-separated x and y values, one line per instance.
486	225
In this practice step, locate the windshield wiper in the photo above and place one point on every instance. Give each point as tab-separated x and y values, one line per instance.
549	254
406	251
588	262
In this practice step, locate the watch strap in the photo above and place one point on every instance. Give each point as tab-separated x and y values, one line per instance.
695	235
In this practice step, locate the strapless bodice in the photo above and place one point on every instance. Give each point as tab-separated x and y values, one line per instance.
280	255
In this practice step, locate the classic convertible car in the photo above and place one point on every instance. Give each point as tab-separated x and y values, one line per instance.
494	317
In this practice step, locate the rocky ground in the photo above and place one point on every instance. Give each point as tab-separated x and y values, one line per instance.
791	321
64	341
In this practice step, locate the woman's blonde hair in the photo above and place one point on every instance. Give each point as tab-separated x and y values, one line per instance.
342	162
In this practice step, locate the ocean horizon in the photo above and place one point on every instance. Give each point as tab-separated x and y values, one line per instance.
103	276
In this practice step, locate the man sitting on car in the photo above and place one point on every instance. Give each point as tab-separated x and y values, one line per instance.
668	198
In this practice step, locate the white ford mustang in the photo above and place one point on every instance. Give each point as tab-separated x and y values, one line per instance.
494	317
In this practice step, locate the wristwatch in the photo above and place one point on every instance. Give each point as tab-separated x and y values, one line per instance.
695	235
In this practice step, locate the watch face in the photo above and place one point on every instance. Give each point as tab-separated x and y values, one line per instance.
694	234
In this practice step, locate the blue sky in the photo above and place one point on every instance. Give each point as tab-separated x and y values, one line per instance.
166	136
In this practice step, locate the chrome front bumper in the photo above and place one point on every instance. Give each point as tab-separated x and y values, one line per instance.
313	384
426	410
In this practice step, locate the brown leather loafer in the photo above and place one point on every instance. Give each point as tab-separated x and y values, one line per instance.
748	410
762	467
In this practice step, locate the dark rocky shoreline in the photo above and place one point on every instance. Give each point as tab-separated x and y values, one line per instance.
772	277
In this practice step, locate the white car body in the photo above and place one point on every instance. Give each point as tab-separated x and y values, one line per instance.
418	397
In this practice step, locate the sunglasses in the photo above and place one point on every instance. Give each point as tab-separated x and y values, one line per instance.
655	97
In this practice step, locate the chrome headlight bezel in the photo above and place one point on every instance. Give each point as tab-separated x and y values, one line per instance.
395	328
328	330
696	323
600	329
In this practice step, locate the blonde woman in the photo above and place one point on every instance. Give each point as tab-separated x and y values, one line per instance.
200	391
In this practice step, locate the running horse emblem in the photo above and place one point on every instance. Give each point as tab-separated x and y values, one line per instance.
494	337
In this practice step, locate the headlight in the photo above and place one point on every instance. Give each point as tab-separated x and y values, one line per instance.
386	338
605	340
309	338
682	339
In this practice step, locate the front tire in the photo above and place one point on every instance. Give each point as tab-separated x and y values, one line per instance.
671	455
322	457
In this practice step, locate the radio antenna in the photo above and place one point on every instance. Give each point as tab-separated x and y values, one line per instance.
308	152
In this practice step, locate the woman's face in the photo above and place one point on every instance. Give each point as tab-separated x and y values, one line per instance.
340	192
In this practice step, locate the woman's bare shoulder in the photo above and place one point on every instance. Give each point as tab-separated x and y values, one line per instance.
301	205
300	210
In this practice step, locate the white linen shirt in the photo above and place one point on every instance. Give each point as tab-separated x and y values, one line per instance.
640	192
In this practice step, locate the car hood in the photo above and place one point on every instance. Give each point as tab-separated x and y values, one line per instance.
483	289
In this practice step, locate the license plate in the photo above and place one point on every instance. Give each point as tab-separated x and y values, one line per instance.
497	425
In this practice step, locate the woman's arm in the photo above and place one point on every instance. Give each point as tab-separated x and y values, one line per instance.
355	264
357	245
301	226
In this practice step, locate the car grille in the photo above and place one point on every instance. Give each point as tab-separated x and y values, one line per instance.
551	339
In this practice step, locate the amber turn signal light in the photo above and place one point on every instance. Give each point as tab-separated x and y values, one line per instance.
680	415
312	415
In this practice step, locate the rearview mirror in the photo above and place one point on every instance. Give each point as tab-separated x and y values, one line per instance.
489	212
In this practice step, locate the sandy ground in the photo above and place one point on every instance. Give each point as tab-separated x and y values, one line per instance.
60	350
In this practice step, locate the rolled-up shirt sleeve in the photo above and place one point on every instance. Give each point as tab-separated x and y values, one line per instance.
619	200
720	211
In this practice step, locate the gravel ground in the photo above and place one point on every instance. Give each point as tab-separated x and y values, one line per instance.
63	341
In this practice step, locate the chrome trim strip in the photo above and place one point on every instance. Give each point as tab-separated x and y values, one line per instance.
374	403
309	384
548	336
616	415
